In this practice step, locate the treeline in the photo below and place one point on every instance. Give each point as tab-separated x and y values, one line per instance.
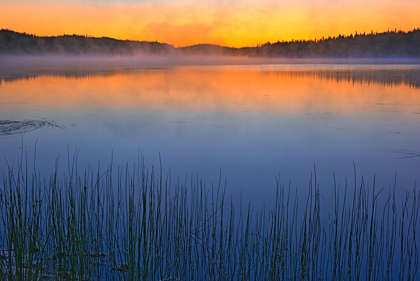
390	44
27	44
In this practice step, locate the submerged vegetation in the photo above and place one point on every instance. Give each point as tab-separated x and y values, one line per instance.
15	127
131	223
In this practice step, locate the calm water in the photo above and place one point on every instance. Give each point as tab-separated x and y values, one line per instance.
252	123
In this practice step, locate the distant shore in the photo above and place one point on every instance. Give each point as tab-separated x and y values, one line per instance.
392	45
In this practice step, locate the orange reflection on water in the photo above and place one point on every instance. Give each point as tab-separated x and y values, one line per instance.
209	89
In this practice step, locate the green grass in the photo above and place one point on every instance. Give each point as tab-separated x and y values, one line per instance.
132	223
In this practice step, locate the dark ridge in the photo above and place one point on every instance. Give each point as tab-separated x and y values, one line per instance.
212	49
391	44
27	44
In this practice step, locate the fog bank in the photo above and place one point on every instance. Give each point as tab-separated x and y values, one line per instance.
15	64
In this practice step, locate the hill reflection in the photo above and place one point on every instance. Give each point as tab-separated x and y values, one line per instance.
388	76
240	89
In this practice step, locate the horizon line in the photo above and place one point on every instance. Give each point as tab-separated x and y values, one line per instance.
315	40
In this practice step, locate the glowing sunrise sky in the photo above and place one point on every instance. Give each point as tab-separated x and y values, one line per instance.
227	22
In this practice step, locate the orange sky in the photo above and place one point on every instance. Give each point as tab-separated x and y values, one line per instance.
232	23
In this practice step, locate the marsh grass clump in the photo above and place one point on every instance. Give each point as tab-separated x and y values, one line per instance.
131	223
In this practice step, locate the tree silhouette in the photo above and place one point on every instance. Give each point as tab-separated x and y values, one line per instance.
390	44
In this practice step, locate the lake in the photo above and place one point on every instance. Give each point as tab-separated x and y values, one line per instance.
247	123
327	154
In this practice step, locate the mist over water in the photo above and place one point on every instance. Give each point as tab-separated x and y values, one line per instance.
138	61
11	64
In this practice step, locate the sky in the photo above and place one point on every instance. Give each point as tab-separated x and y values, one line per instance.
234	23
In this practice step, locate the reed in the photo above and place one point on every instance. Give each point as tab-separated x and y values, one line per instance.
135	223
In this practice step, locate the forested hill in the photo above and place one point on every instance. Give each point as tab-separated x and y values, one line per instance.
25	44
392	44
